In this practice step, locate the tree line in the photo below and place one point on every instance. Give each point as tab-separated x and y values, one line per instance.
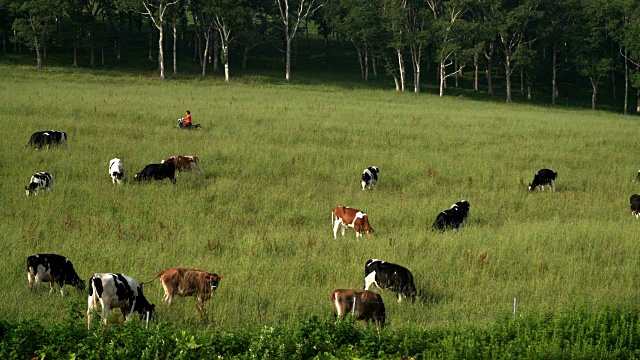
537	41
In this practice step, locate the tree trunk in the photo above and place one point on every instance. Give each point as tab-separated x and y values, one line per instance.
401	67
161	52
626	83
288	57
92	51
216	55
366	63
594	94
75	53
442	78
554	69
38	54
359	51
475	72
528	92
175	53
521	81
489	56
507	74
150	44
455	67
203	59
416	54
613	84
225	57
374	67
4	41
395	79
245	57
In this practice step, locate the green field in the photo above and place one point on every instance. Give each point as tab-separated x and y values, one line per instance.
276	158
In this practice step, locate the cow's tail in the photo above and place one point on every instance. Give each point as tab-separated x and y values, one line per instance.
157	276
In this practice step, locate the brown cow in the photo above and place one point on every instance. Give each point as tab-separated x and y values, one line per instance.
368	305
184	163
353	218
188	282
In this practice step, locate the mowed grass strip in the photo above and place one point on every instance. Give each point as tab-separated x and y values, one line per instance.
277	158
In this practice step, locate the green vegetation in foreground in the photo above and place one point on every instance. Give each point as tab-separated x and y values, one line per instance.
276	160
583	333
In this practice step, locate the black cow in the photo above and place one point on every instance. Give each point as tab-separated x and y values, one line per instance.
634	204
52	268
42	139
544	177
117	291
370	177
158	172
388	276
452	218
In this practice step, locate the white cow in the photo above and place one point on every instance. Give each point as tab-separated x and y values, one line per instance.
117	291
116	170
39	181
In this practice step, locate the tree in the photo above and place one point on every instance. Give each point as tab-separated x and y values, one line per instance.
292	13
591	53
35	24
229	16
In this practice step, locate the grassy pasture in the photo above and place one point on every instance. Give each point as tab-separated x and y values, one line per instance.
277	158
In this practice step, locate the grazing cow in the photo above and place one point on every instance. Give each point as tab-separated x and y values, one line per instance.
117	291
188	282
363	304
348	217
39	181
638	176
544	177
116	170
634	204
370	177
184	163
52	268
157	172
452	218
388	276
42	139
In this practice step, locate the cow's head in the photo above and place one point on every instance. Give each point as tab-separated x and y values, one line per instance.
532	187
213	280
137	177
31	189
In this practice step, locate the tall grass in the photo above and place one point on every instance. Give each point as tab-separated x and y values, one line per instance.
277	158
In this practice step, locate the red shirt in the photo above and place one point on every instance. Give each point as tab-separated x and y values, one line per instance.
187	119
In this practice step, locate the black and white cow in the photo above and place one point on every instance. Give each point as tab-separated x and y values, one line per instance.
42	139
39	181
116	170
52	268
162	171
544	177
388	276
370	177
634	204
452	218
117	291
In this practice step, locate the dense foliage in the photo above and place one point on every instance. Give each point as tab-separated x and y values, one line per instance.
543	47
609	333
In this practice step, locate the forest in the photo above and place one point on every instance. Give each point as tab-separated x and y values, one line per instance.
498	48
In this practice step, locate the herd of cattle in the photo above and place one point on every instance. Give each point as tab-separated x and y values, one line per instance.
121	291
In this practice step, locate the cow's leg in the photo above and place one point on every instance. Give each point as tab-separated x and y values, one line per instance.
336	223
553	185
61	287
106	307
31	279
399	298
342	230
50	286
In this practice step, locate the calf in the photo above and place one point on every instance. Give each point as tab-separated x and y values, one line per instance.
452	218
348	217
188	282
184	163
157	172
634	204
52	268
544	177
388	276
363	304
42	139
117	291
370	177
116	170
39	181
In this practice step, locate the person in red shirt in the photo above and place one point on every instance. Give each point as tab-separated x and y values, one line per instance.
186	121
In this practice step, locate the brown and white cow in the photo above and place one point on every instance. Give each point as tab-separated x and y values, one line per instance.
184	163
363	304
188	282
350	217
